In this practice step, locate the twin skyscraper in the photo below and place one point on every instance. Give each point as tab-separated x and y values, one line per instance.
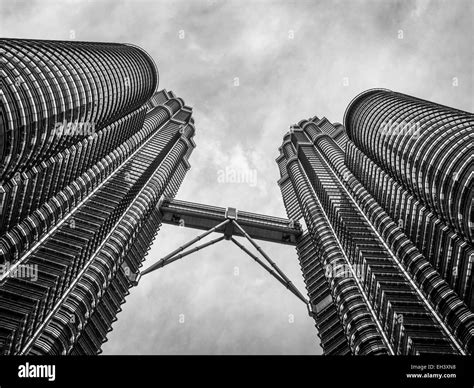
92	155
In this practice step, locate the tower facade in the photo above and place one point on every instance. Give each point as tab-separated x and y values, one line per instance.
92	156
88	149
387	201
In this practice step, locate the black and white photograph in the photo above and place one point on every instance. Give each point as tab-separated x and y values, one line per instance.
236	188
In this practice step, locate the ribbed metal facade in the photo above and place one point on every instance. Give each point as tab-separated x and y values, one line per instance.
417	159
89	150
80	208
373	290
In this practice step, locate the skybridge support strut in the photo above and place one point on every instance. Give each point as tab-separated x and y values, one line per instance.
159	264
168	260
288	282
230	227
269	270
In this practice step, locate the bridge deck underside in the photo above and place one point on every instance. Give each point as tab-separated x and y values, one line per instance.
205	217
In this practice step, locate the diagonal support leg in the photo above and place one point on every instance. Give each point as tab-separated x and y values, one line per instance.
276	273
165	261
183	247
288	282
269	270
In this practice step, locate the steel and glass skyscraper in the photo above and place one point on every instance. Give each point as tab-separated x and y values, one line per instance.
92	156
387	201
88	149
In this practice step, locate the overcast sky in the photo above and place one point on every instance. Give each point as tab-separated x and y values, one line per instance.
250	70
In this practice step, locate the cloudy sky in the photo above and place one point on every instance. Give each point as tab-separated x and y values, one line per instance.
250	70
